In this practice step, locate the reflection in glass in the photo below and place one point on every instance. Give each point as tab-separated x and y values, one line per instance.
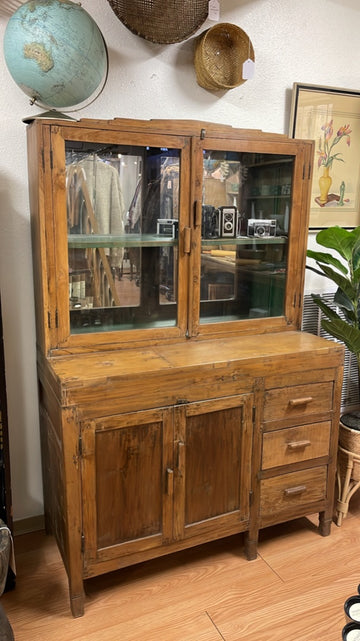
245	224
122	212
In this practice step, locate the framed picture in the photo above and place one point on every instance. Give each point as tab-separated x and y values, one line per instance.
331	117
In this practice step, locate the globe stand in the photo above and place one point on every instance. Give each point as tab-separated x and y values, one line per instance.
55	115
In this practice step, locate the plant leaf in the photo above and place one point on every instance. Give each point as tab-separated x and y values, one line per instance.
328	259
328	311
338	238
344	283
344	332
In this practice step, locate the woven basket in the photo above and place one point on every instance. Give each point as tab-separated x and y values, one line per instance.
159	21
220	53
349	439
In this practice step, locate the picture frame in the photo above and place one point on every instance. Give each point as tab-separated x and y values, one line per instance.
331	117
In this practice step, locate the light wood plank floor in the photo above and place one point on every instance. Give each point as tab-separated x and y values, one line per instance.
294	591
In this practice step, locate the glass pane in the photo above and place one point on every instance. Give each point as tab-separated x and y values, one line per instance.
246	215
123	211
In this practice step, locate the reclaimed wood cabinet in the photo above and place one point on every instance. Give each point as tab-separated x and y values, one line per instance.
179	400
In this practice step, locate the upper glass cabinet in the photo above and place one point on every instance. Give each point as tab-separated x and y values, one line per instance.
165	230
123	227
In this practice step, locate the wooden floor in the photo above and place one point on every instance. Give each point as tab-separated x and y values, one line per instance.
295	590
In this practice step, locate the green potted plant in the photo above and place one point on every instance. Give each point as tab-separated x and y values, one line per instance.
344	325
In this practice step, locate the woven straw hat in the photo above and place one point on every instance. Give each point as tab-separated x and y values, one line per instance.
220	53
159	21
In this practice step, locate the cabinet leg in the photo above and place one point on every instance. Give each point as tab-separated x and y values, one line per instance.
77	602
324	524
250	547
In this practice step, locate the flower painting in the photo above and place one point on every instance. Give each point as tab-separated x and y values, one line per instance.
326	156
330	117
327	142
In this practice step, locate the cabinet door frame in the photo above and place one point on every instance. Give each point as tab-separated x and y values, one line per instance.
291	319
229	522
94	554
55	218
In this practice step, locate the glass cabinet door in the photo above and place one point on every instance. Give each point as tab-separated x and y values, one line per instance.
122	221
246	212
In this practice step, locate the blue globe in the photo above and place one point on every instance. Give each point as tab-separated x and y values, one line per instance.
55	52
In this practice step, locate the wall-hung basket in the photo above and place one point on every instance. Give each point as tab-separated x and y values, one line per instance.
220	53
159	21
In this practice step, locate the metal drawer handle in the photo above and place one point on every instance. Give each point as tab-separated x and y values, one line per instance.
298	445
294	402
298	489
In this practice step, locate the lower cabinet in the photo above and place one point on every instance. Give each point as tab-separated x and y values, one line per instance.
148	452
157	477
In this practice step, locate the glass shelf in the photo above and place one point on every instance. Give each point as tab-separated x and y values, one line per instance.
244	240
79	241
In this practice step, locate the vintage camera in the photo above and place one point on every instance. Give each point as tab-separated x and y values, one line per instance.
167	227
228	222
209	222
261	228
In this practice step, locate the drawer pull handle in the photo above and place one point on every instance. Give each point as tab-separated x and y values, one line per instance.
292	491
295	402
298	445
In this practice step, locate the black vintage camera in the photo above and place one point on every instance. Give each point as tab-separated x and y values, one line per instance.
209	222
228	222
167	227
261	228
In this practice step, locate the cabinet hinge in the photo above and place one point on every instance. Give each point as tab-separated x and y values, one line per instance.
51	159
297	300
253	413
43	159
56	319
309	171
251	498
82	543
49	320
80	446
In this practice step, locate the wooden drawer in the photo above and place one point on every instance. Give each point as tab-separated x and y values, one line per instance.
287	491
298	401
294	444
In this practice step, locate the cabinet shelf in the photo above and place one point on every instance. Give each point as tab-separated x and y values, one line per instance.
84	241
244	240
268	196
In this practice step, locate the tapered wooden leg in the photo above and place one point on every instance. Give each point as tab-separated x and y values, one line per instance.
250	545
77	601
325	521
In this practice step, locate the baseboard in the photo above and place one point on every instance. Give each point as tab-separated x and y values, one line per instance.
32	524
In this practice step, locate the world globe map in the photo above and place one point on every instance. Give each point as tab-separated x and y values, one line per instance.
55	52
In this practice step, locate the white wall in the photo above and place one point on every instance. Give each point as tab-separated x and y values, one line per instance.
308	41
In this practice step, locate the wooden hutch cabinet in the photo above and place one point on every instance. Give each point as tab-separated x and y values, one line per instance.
179	400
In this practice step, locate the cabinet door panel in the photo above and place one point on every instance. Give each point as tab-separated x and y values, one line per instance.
125	492
129	506
213	476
